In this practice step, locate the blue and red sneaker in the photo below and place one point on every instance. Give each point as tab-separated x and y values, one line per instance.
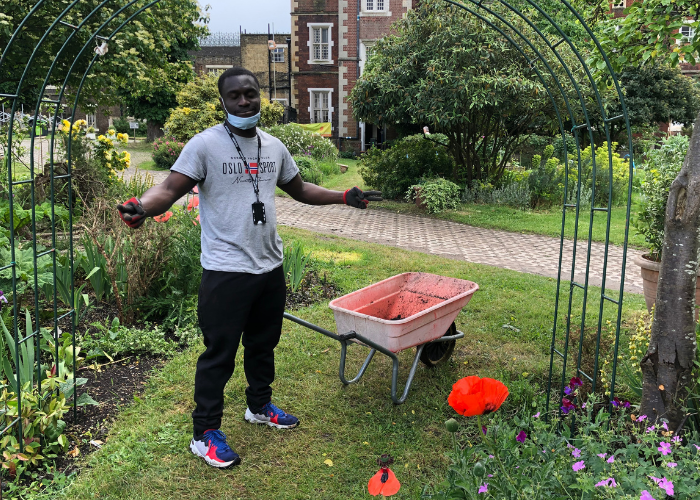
212	447
272	416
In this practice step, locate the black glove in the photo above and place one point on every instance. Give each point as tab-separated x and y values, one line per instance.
132	213
355	197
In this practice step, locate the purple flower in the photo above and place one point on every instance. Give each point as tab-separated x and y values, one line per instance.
567	390
484	488
626	404
664	448
646	496
521	437
672	465
602	455
607	483
611	459
676	439
536	415
567	406
583	405
483	429
575	382
641	418
489	475
651	429
578	466
576	453
615	402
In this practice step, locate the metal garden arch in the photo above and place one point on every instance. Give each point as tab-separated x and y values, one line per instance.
539	51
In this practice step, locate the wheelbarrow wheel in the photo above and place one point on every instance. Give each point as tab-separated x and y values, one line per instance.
435	353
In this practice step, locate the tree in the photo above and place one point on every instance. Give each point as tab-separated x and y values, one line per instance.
198	108
446	69
147	60
648	34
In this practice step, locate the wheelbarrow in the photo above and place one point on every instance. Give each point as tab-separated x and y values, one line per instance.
401	312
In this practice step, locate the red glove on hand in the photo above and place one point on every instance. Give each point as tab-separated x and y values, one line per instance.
132	213
355	197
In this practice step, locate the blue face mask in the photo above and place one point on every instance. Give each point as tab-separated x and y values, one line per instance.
242	123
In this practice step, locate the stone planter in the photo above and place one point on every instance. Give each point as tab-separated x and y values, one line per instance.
343	168
650	277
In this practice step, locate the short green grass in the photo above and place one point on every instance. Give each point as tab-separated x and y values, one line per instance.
146	455
545	222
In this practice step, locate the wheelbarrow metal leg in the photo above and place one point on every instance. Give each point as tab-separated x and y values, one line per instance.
341	369
409	380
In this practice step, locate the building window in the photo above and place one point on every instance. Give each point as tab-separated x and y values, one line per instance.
618	4
687	32
278	55
216	68
320	43
375	5
91	120
366	51
321	109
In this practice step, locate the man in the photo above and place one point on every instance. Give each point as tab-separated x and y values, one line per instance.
242	294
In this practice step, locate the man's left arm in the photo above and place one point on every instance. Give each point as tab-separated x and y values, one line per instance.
311	194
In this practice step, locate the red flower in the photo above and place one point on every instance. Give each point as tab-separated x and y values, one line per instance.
194	202
477	396
164	217
384	482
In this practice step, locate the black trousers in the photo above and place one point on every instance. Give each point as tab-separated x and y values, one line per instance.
231	306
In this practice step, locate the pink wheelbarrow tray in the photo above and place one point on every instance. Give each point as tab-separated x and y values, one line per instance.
401	312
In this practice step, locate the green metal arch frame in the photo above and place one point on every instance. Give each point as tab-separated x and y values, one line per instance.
15	101
489	18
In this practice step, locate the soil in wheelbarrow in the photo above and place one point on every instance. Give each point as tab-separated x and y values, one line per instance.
401	305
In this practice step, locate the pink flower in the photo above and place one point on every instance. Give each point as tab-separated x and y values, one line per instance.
651	429
611	459
646	496
697	447
602	455
671	464
578	466
664	448
607	483
576	453
641	418
664	484
664	426
521	437
676	439
536	415
484	488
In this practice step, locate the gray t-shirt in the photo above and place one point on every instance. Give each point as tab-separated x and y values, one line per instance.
230	240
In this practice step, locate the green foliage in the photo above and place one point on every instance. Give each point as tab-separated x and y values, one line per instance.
446	69
514	192
542	466
198	108
24	269
23	218
294	264
393	171
121	125
166	151
112	339
545	182
302	142
662	167
308	169
350	155
436	194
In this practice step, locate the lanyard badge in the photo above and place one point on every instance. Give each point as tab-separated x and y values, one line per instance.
258	206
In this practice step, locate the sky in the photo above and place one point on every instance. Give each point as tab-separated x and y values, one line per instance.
229	15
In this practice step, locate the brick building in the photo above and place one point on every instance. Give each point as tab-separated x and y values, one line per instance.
221	51
331	40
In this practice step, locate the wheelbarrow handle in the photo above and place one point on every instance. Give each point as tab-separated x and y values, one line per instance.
313	327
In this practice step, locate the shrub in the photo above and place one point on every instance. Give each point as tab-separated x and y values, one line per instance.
349	155
166	151
302	142
545	182
121	125
395	170
620	176
308	169
662	167
112	339
437	194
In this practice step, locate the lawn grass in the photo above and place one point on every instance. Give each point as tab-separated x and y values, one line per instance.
545	222
146	455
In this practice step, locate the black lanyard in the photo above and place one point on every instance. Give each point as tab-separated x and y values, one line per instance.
255	181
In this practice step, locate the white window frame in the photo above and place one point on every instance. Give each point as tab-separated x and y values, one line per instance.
310	43
692	32
618	4
375	8
211	68
331	109
279	51
281	100
364	45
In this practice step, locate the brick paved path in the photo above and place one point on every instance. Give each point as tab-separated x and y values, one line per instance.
527	253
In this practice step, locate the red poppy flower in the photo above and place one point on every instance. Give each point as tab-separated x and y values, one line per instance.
164	217
384	482
194	202
477	396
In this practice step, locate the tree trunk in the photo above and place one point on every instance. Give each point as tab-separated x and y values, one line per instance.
154	130
667	366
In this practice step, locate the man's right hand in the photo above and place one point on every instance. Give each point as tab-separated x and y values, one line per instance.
132	213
